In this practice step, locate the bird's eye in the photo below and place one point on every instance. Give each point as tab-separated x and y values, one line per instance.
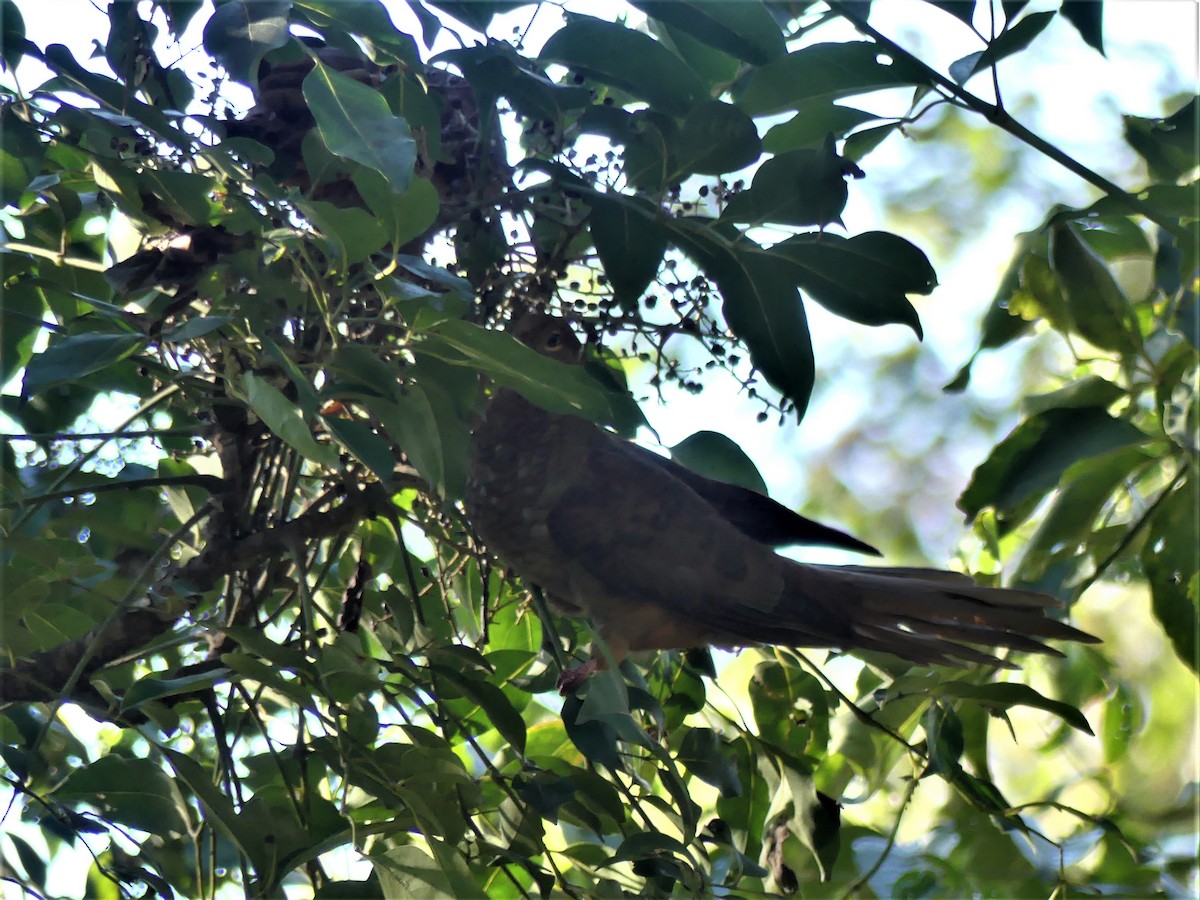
553	341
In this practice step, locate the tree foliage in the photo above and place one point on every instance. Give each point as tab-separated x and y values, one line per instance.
261	580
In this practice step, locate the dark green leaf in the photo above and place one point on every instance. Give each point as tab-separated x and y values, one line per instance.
1087	16
151	688
800	187
822	72
134	792
703	753
761	307
21	151
12	34
649	142
714	455
717	138
369	19
1011	40
553	385
353	233
20	322
365	445
285	420
1031	460
808	129
495	705
1168	145
741	28
355	123
630	240
1090	390
1098	308
1003	695
717	69
497	70
865	279
241	32
76	356
646	844
1086	490
634	62
944	738
476	13
1169	558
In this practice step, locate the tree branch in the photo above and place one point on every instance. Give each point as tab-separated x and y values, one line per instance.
1000	117
43	676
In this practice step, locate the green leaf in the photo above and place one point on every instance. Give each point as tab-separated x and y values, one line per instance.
1088	17
12	34
365	445
411	423
285	420
241	32
944	739
1011	40
1099	310
150	688
369	19
717	69
20	322
1002	695
495	705
133	792
1169	559
649	140
761	307
1086	489
703	753
1168	145
644	844
865	279
555	386
630	240
1090	390
195	327
715	455
634	62
498	70
822	72
21	152
808	129
353	233
717	137
476	13
76	356
355	123
800	187
184	194
742	28
1032	459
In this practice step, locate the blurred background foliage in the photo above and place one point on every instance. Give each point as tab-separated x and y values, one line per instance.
260	255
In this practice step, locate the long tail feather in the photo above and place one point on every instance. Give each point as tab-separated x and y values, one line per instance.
924	615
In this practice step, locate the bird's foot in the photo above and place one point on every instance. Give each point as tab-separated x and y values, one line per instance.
572	679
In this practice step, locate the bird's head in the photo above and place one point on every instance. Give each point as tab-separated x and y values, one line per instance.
549	336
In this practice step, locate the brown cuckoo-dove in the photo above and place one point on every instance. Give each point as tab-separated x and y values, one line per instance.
663	558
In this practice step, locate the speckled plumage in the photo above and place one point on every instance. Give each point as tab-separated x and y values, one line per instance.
662	558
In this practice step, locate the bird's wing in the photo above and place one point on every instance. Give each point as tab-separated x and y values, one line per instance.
755	515
645	537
